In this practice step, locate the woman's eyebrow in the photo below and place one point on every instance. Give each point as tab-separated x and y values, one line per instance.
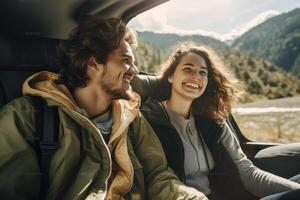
191	64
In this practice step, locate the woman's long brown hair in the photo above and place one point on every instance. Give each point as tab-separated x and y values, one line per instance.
223	89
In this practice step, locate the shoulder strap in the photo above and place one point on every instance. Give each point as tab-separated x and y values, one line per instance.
131	134
47	128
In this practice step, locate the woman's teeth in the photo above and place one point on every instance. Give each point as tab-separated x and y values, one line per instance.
192	85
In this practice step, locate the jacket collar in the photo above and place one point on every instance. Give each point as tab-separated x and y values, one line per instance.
156	112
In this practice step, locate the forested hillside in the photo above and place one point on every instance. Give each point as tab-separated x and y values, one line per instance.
165	41
277	40
148	57
262	78
266	58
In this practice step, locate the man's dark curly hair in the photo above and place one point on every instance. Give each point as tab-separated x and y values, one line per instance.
93	37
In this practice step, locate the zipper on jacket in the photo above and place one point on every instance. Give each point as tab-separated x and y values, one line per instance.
164	111
110	163
205	154
195	149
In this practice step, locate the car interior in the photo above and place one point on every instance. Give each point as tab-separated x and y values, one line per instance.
29	39
31	31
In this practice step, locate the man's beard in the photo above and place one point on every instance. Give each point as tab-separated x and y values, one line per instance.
120	93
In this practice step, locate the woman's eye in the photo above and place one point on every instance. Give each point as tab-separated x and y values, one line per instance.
203	73
187	69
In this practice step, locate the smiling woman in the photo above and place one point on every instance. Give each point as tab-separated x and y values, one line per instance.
192	64
191	125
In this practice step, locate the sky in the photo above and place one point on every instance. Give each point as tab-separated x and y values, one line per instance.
221	19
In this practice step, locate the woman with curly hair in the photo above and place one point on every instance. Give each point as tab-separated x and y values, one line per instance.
200	147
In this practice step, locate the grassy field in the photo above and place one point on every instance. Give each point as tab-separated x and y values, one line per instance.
271	121
271	126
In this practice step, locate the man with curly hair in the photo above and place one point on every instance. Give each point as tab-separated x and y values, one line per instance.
97	157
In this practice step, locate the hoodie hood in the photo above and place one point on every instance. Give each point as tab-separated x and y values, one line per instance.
42	84
124	112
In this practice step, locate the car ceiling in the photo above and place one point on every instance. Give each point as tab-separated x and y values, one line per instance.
56	18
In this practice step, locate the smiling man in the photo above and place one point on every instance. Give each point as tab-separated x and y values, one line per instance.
106	149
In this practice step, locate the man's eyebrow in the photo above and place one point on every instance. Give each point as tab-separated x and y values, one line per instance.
127	56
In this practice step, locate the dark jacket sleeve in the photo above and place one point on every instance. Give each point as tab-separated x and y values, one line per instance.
19	170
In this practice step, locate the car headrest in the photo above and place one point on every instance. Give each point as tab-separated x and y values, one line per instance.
28	53
151	86
20	57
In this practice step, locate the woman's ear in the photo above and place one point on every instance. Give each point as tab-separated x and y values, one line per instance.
170	79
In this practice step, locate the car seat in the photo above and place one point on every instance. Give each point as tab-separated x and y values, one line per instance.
20	57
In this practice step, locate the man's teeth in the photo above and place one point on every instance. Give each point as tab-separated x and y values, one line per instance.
193	85
127	79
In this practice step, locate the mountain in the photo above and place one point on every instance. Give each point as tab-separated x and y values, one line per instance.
229	42
262	79
148	57
164	41
277	39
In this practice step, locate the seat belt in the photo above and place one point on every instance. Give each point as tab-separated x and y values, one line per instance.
47	129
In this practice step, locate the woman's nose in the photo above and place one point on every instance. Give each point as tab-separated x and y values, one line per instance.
199	75
196	74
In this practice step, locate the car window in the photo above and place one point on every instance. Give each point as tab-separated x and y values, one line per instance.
259	42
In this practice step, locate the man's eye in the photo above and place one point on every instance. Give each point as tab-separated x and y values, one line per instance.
126	60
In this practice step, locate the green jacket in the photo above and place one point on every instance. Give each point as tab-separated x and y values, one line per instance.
84	166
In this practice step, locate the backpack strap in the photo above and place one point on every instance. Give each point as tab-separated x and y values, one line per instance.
47	129
130	133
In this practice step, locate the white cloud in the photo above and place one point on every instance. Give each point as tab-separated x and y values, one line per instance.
252	23
157	21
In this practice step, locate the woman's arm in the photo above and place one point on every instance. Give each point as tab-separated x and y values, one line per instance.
256	181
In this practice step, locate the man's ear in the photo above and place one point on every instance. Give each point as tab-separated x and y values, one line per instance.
92	64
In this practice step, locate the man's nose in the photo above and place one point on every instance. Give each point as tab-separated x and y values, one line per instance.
133	69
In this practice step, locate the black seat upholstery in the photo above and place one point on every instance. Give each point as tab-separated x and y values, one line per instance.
150	86
20	57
